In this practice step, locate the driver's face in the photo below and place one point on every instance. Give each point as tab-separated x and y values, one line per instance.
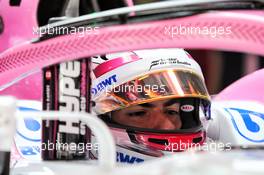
162	114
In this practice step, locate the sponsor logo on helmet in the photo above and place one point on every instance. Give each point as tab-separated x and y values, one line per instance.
167	61
103	84
187	108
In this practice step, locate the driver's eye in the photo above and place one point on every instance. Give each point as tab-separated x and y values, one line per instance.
171	112
137	114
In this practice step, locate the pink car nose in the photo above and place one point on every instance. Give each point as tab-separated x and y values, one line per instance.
249	88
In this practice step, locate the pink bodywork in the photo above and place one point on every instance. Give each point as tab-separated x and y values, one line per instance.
19	23
247	36
250	87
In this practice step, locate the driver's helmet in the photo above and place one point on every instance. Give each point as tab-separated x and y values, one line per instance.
154	101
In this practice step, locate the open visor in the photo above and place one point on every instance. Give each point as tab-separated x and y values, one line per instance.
151	87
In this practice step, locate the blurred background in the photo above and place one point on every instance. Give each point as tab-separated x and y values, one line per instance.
223	68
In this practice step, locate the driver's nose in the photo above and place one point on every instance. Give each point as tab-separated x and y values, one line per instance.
165	122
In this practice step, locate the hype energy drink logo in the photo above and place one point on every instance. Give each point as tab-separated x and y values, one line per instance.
249	124
66	88
70	96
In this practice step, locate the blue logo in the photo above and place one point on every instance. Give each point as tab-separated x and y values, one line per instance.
103	84
124	158
249	124
29	151
29	128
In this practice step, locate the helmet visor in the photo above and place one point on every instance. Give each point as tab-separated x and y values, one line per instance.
151	87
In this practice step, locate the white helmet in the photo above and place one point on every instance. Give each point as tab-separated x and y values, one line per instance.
127	79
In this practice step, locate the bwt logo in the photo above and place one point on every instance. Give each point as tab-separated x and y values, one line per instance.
103	84
124	158
249	124
29	128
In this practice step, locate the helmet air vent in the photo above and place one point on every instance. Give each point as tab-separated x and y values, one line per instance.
15	2
159	141
197	140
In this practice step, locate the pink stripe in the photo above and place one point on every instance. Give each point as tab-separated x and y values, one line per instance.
130	3
113	64
83	81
